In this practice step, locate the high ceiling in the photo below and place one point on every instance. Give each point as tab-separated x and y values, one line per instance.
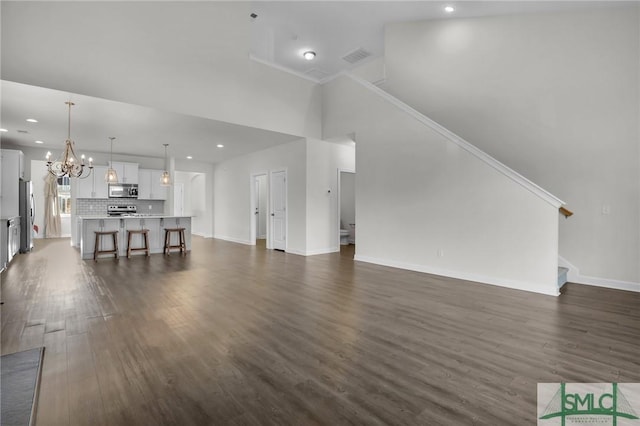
178	65
139	131
283	30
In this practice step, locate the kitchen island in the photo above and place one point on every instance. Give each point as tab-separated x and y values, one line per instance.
156	224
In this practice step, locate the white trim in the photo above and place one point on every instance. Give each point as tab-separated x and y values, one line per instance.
281	68
234	240
201	234
314	252
574	276
546	289
481	155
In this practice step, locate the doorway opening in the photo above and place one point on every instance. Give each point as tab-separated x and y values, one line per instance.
259	207
346	210
268	216
188	198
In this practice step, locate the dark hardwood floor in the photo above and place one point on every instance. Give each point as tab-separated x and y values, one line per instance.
239	335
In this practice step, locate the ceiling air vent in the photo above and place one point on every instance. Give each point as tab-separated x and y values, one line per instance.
23	131
356	55
316	73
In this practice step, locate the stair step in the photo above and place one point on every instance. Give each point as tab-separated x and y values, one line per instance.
562	276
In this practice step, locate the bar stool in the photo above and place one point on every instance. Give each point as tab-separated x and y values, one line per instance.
167	240
99	235
145	240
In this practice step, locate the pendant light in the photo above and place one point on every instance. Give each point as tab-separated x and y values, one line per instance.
68	164
165	180
111	176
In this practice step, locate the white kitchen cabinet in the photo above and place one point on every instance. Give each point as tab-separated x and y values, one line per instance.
9	239
127	172
12	165
14	238
93	186
149	187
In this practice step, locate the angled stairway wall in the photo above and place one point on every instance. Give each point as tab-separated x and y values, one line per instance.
428	201
555	96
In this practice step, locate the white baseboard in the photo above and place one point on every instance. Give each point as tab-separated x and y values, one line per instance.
234	240
323	251
574	276
313	252
549	290
201	234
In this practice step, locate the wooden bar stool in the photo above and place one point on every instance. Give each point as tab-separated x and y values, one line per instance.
145	235
99	235
167	240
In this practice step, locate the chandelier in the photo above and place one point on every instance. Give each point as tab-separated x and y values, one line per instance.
68	164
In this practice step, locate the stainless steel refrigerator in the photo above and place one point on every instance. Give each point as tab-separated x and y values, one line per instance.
27	215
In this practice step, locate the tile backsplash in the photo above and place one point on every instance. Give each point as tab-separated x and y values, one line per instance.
98	207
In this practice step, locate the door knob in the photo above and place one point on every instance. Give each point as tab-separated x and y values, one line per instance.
273	214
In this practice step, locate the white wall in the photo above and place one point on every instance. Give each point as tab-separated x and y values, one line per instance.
554	96
143	53
232	193
424	203
194	200
323	161
204	186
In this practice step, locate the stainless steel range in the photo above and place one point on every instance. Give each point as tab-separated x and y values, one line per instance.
122	210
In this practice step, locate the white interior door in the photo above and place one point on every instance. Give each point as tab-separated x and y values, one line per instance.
279	210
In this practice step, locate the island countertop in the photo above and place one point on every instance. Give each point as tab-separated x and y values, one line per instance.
155	223
138	216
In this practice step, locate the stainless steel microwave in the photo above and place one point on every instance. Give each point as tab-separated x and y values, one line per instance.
123	190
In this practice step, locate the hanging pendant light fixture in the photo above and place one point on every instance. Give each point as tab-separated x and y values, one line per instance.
68	164
111	176
165	180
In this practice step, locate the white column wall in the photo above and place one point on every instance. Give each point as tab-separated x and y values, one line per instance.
323	161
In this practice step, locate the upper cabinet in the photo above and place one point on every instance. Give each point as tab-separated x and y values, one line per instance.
127	172
93	186
12	163
149	187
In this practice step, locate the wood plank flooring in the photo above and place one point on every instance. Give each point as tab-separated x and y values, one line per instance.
239	335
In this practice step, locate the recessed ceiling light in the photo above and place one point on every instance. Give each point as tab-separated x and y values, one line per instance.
39	142
220	145
449	9
3	130
32	120
189	157
309	55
